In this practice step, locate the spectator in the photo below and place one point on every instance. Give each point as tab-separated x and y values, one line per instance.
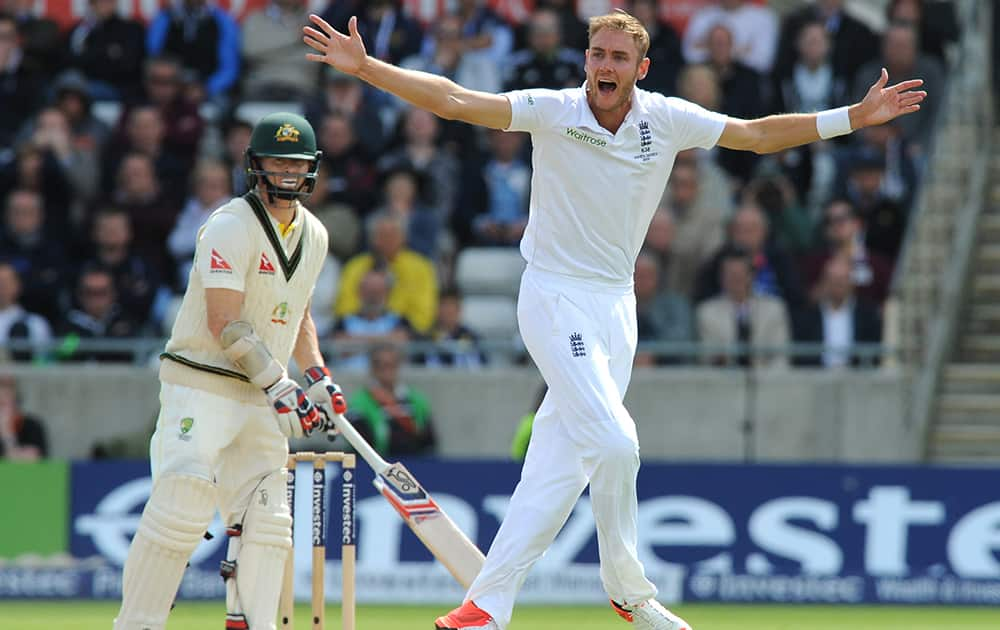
502	191
546	64
203	37
36	168
484	33
754	29
572	30
743	91
414	290
791	227
838	320
883	144
109	50
902	58
324	295
51	131
393	35
458	344
72	97
402	197
211	190
374	322
443	53
699	83
272	49
773	271
884	219
715	188
666	59
88	135
40	259
152	213
145	132
935	21
699	229
421	152
346	94
95	314
811	84
844	233
740	315
853	43
21	87
236	138
41	39
350	175
341	222
659	244
136	279
393	417
16	323
743	96
22	436
184	127
663	316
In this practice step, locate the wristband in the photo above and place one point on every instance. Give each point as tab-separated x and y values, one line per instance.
316	374
831	123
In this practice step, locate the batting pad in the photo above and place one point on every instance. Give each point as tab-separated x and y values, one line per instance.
266	539
175	519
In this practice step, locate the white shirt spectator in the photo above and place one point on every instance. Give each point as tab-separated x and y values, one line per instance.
754	29
38	329
838	334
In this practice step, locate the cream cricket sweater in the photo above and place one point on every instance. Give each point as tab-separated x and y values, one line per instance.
240	247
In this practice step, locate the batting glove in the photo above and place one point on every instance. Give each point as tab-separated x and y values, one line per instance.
329	399
297	416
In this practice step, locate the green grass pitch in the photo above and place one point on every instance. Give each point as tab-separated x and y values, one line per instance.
80	615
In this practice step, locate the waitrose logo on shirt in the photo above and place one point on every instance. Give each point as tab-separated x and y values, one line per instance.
576	134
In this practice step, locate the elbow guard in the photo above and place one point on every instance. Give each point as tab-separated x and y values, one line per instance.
245	349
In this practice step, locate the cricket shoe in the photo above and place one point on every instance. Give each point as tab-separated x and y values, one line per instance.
468	616
650	615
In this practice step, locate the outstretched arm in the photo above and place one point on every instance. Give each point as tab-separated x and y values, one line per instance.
436	94
783	131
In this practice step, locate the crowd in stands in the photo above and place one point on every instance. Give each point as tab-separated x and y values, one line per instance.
100	216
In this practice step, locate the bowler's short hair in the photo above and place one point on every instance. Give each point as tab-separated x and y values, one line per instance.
621	21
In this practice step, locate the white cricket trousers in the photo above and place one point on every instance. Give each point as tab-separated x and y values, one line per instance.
582	337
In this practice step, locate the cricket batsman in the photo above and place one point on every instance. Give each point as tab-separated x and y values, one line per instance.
227	405
602	154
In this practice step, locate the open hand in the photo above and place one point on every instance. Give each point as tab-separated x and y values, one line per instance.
344	52
882	103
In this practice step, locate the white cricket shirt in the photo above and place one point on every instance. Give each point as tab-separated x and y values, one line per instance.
593	193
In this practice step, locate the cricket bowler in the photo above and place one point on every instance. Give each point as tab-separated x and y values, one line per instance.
602	153
227	405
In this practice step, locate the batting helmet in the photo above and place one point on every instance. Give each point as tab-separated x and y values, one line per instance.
282	135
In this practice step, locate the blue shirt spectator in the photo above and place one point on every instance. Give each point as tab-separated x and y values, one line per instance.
373	324
506	178
205	38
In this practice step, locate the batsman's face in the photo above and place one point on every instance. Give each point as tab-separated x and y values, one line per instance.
613	66
292	171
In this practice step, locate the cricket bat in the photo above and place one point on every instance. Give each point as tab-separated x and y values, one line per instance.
421	513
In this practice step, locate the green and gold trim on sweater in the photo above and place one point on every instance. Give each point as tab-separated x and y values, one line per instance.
288	265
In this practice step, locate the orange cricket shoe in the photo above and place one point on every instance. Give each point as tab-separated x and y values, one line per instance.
468	616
